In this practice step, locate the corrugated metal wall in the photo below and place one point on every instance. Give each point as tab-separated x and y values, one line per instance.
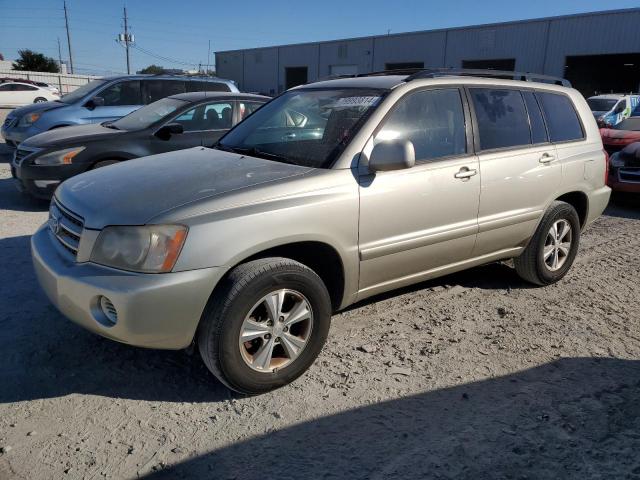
539	46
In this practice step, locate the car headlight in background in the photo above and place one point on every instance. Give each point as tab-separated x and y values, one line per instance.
29	119
146	249
615	161
59	157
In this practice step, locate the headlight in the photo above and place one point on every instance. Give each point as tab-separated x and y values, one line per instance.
29	119
615	161
59	157
152	248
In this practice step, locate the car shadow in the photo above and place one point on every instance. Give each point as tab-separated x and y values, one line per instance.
12	199
574	418
45	355
624	205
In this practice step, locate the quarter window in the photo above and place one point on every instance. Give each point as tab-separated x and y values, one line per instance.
433	120
538	129
562	119
502	118
122	93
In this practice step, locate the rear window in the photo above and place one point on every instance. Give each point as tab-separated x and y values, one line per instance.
502	118
562	120
202	86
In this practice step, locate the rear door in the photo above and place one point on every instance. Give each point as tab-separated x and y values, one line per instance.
520	168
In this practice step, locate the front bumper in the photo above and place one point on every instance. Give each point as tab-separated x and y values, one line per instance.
41	181
15	135
617	184
153	310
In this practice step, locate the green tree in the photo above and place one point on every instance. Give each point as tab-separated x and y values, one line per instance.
153	70
35	62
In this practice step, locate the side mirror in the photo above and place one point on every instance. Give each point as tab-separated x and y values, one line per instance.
165	132
95	102
392	155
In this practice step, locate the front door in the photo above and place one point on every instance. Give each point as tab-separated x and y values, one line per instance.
415	221
120	99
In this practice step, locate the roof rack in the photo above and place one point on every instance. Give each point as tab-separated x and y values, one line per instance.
522	76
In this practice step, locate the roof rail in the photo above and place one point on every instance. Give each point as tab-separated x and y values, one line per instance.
523	76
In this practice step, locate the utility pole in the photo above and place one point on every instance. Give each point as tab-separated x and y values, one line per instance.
59	55
208	58
66	22
126	40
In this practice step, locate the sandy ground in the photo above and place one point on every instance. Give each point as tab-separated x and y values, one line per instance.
475	375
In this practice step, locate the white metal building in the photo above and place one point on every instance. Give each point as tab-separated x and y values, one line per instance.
598	52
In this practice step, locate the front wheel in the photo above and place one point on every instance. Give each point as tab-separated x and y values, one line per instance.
265	325
40	100
553	248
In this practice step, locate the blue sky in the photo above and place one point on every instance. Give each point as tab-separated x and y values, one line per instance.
180	30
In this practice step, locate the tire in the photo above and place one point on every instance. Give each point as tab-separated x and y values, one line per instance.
532	265
238	300
40	100
104	163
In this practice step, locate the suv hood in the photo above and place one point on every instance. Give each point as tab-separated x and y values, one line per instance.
36	107
134	192
70	135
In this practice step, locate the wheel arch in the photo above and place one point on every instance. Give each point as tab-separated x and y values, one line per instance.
578	200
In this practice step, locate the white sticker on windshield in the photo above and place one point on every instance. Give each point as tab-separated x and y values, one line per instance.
356	102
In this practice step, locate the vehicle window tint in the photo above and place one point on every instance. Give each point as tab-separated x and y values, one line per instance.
157	89
200	86
433	120
247	108
122	93
22	87
562	119
502	118
5	88
212	116
538	129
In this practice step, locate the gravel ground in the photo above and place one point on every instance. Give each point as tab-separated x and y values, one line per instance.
475	375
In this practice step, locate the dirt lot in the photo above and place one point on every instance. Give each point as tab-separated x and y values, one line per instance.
475	375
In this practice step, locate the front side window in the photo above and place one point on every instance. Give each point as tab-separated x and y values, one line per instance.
502	118
562	120
149	114
307	127
122	94
433	120
157	89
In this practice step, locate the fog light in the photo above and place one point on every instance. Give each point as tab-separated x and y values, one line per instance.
109	311
45	183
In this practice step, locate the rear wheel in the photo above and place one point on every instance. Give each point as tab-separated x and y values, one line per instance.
553	248
265	325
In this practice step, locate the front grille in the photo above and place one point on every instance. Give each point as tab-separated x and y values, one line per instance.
629	175
66	226
19	156
10	122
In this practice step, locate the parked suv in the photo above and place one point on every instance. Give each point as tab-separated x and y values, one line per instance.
331	193
103	100
177	122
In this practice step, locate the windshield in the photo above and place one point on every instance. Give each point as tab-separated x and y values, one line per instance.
632	124
149	114
81	92
304	127
601	104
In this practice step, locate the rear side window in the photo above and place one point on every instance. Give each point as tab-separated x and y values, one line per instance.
502	118
538	129
201	86
157	89
562	120
433	120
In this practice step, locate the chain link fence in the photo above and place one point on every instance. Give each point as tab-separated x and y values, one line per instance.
64	82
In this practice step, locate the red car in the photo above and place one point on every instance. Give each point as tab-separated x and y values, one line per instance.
624	169
619	136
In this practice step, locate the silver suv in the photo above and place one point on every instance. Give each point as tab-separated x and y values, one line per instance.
331	193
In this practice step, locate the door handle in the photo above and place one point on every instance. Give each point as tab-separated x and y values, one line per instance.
465	173
547	158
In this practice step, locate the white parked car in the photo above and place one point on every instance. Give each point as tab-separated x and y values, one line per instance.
16	94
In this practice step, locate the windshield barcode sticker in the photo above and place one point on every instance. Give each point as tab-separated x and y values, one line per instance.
356	102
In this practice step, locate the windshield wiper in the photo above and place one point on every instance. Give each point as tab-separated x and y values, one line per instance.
256	152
